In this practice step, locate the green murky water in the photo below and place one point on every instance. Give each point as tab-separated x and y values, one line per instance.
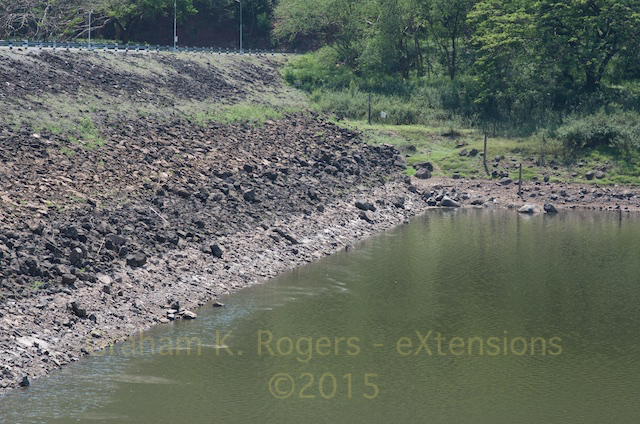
443	320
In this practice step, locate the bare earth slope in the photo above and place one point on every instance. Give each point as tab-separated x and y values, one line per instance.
130	185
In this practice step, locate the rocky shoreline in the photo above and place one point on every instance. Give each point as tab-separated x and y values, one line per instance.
98	242
180	216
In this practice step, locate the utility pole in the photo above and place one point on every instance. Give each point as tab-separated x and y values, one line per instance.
240	1
175	25
89	43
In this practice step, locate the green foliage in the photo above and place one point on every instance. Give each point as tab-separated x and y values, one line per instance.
86	133
127	14
619	130
318	69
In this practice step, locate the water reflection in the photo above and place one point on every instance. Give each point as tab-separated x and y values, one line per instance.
468	274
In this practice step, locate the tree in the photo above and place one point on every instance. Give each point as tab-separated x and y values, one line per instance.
126	15
447	23
505	56
583	36
338	23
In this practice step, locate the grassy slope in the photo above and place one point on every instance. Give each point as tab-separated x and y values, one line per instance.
437	146
80	114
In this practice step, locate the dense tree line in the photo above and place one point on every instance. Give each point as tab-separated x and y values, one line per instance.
500	60
506	59
135	20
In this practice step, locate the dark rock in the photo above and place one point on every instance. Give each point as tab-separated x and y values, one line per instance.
25	382
477	202
69	279
549	208
79	311
320	208
431	201
449	202
249	196
423	174
365	206
473	152
426	165
217	251
183	193
398	202
589	175
456	176
463	152
136	259
114	242
76	256
286	236
506	181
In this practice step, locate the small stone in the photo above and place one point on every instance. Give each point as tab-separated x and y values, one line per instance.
528	209
398	202
423	174
426	165
506	181
68	279
217	251
549	208
104	279
136	259
76	256
78	310
367	216
217	305
250	196
449	202
589	175
365	206
600	175
188	315
25	382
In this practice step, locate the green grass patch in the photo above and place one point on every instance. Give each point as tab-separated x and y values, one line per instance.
540	155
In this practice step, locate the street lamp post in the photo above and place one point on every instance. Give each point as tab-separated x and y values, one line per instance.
240	1
89	43
175	25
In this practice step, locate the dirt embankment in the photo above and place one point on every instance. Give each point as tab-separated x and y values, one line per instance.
98	243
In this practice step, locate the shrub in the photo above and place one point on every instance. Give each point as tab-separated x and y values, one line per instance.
619	130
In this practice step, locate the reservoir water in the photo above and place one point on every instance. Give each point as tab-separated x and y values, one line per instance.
459	316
